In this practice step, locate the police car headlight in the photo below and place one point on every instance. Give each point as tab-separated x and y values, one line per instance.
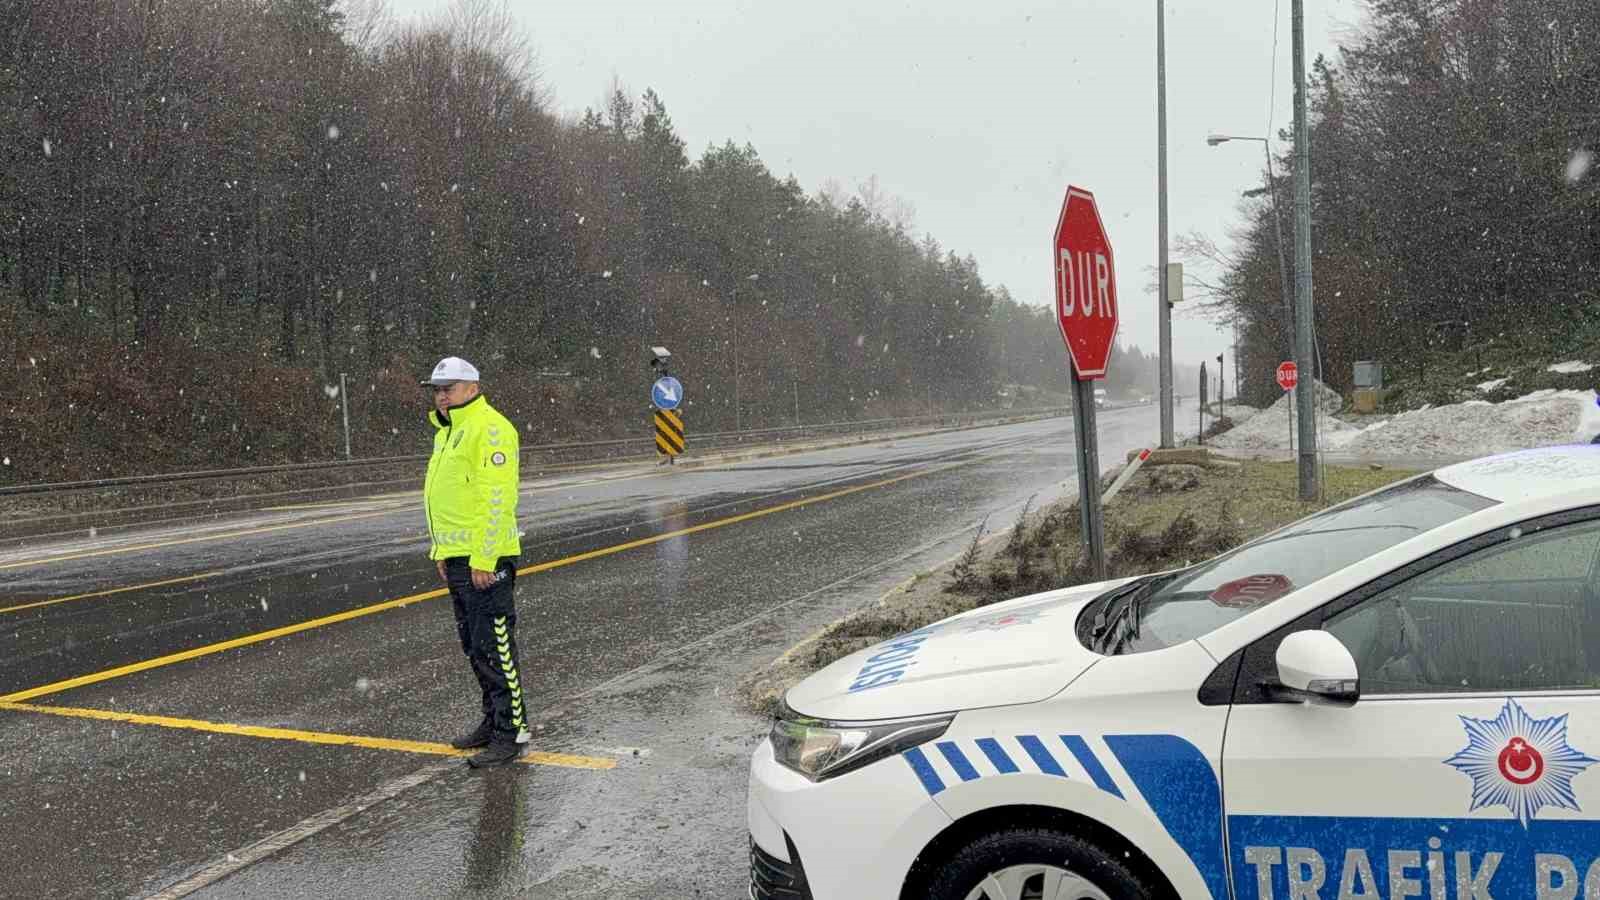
820	750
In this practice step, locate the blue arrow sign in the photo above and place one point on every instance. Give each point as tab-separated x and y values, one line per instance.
666	393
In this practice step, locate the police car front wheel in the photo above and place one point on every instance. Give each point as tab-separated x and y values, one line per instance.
1035	864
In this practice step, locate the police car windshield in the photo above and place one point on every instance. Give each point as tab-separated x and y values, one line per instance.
1191	603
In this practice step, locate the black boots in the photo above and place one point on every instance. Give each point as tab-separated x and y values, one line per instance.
477	737
499	752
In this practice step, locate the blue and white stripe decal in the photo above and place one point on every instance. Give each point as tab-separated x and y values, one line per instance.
931	782
1041	756
992	757
1173	776
1178	782
997	755
1091	764
958	761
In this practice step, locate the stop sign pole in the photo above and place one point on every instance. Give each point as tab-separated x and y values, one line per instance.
1086	312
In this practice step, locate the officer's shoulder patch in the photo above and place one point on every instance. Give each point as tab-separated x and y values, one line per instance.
498	458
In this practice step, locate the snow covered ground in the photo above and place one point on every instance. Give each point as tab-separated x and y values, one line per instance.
1570	367
1269	429
1473	428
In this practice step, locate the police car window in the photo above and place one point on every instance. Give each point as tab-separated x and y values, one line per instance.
1522	615
1213	594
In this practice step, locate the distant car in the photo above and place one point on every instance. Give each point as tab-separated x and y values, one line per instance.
1401	691
1100	398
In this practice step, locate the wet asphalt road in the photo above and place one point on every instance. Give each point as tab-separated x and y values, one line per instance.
170	694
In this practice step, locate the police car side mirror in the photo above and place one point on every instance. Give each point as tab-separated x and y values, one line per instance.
1316	667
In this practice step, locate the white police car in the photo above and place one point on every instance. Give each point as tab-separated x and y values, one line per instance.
1398	697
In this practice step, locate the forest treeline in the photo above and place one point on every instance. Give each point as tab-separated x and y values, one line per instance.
210	209
1454	198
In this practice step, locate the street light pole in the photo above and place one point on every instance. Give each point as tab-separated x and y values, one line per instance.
1162	304
1287	293
1304	352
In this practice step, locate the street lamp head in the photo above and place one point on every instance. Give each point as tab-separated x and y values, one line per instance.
1215	139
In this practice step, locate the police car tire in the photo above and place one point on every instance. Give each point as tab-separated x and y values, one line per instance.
1040	846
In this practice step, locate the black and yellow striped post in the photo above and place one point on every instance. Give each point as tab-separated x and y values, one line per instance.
669	434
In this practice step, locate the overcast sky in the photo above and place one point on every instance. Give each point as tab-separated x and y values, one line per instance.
977	113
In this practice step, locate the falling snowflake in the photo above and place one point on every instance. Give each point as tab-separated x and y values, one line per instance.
47	147
606	274
1579	166
1520	762
333	132
860	339
363	685
7	461
594	352
332	390
302	776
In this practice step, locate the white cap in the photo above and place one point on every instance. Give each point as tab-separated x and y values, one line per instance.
452	369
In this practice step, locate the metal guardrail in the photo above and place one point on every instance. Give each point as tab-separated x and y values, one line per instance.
708	440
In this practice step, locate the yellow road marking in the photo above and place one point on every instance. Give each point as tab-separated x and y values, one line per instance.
120	590
112	551
530	757
245	641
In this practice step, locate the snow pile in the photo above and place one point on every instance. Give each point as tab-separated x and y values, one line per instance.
1269	429
1476	428
1240	413
1488	386
1571	367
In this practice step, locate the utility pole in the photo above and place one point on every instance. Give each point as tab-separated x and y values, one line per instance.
1161	264
1283	265
1304	352
736	419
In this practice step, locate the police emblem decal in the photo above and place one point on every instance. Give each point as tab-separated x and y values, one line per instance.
498	458
1521	763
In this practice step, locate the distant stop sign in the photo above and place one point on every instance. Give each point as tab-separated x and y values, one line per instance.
1288	376
1086	284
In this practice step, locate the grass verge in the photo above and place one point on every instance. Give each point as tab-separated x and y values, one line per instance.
1167	517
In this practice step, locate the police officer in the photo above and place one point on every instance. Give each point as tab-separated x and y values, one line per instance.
470	498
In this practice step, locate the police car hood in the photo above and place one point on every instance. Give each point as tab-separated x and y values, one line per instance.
1019	651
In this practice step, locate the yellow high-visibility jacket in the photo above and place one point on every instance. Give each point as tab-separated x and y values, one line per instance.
470	495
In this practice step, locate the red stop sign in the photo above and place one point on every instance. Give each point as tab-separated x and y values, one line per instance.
1086	284
1288	375
1255	590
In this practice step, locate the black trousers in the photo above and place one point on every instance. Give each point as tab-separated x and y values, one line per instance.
486	622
